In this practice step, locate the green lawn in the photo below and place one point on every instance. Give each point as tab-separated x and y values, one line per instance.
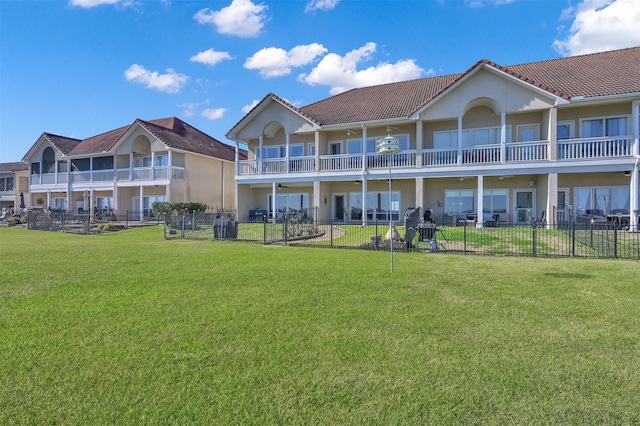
129	328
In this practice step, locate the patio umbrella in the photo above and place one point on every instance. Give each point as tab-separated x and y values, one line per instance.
22	206
85	200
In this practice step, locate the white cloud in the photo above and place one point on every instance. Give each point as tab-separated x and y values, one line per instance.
321	5
341	73
214	113
275	62
241	18
210	57
252	105
171	82
600	25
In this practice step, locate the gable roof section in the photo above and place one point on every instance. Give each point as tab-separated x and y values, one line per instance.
177	134
261	105
598	74
171	131
13	167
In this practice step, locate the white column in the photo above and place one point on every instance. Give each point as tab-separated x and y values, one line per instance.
260	152
480	217
419	143
459	140
364	201
420	194
287	151
503	137
48	198
316	201
141	203
552	136
552	198
364	148
316	141
237	159
273	202
131	164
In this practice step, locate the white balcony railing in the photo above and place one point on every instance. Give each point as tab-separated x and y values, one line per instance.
151	173
514	152
341	162
593	148
482	154
440	157
528	151
302	164
403	159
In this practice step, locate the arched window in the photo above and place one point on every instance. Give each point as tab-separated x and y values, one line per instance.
48	161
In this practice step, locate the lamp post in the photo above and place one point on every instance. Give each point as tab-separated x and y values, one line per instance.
389	146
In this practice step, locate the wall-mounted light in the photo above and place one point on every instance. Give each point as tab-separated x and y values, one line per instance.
532	183
627	173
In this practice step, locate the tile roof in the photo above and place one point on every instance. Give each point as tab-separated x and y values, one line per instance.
63	143
171	131
13	167
598	74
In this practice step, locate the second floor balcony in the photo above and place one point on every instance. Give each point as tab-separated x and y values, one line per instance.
134	174
510	153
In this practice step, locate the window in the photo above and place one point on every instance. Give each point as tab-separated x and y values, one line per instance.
311	148
335	148
595	128
459	202
404	143
142	161
494	201
60	203
274	151
35	168
355	210
605	199
105	203
162	160
354	146
285	202
471	137
6	184
378	205
81	165
565	130
528	132
62	166
296	150
103	163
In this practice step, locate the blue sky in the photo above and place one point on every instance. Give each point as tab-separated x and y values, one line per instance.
79	68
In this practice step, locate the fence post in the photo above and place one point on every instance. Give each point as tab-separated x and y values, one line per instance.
464	244
535	251
264	232
573	239
615	239
182	223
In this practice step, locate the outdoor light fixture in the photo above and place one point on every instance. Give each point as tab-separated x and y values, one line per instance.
389	146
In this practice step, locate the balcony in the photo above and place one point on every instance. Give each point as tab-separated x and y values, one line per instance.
510	153
103	176
595	148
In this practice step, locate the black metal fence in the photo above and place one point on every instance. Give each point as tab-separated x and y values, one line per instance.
84	223
606	240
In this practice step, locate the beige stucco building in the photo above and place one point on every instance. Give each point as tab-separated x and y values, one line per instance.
556	138
123	171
